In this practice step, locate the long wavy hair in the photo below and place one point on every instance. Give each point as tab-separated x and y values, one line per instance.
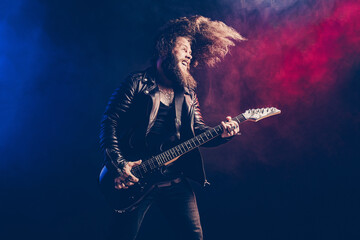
210	39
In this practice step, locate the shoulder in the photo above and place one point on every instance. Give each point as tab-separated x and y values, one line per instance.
138	82
191	93
145	76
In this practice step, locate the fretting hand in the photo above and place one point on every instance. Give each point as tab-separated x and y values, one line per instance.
230	127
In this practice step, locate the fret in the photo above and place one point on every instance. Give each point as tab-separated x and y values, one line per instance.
211	134
167	155
207	135
161	158
201	138
181	145
175	153
146	166
151	164
218	129
172	152
188	144
164	157
214	132
143	167
157	160
193	142
178	150
170	155
186	147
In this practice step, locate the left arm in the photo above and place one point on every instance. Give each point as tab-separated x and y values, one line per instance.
230	127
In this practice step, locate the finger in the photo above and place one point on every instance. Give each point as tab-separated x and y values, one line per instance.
132	164
128	184
228	118
118	185
129	175
123	177
228	129
137	163
133	178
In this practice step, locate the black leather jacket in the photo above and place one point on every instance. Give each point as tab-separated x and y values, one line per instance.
132	111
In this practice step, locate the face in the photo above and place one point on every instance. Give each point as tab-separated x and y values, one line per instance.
177	65
182	53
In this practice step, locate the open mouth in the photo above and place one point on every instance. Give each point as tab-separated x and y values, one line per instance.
185	63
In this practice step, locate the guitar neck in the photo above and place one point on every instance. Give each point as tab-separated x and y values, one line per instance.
185	147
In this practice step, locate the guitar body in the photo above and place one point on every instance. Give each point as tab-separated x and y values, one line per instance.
123	200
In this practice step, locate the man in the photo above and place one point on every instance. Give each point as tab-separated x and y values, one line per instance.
155	109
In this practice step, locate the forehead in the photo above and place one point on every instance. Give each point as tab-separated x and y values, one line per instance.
182	41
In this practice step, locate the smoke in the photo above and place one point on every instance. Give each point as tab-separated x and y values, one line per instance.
297	54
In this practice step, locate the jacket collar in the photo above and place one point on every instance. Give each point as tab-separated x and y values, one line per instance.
150	78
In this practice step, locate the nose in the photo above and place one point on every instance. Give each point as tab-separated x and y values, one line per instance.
188	56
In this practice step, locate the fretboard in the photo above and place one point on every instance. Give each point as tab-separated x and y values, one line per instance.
185	147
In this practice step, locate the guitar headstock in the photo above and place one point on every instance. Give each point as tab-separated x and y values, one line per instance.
256	115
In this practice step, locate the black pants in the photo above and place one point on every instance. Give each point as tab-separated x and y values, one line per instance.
177	202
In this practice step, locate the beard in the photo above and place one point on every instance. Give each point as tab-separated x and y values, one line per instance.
179	77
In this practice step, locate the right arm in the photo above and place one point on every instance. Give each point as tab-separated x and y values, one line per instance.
113	122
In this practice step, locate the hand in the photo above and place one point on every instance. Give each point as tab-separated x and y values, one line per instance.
126	178
230	128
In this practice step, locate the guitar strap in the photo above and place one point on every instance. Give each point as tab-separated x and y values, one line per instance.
179	100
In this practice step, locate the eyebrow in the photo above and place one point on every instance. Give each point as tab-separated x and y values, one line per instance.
183	44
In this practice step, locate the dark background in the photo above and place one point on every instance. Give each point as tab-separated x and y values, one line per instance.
293	176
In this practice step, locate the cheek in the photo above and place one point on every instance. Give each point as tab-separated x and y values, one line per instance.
178	55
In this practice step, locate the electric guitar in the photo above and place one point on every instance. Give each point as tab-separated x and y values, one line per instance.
126	200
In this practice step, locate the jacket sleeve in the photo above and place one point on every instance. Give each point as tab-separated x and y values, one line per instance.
115	114
200	127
